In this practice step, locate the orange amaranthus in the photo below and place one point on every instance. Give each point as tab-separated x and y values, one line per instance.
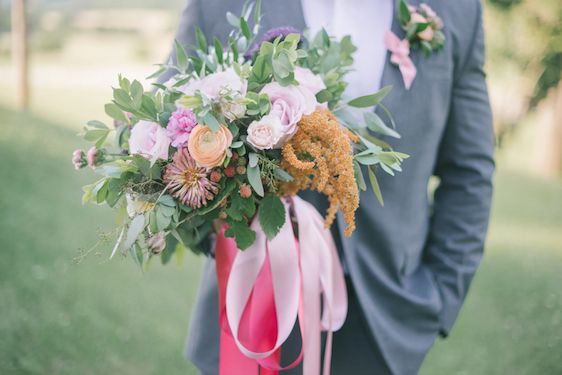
320	157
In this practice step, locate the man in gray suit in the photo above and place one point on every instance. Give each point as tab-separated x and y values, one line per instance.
409	264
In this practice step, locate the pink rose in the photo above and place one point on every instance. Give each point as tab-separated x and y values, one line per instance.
418	18
289	104
150	140
212	84
309	80
265	133
426	34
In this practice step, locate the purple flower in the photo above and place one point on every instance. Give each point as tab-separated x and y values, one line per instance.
180	125
269	36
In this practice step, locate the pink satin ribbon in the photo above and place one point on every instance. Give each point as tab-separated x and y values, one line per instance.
400	56
264	289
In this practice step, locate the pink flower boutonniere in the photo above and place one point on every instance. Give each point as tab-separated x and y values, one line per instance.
423	28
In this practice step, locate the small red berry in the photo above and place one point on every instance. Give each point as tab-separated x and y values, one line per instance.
241	169
230	171
216	176
234	156
245	191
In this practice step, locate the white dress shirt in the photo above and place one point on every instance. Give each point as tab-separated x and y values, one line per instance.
366	21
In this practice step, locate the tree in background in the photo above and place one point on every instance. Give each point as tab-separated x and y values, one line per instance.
527	36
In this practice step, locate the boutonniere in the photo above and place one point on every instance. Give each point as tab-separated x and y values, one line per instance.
423	30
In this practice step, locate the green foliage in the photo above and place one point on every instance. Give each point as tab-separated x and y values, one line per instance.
377	125
243	235
241	208
403	12
272	215
552	67
370	100
332	60
254	175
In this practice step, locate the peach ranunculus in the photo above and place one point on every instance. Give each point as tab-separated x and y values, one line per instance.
208	148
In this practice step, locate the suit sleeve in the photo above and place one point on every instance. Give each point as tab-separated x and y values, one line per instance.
465	167
185	35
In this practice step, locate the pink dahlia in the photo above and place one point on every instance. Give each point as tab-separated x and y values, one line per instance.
180	125
187	182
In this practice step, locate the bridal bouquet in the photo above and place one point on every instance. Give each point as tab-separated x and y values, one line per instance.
231	138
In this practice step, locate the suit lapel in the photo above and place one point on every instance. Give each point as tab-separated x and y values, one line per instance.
399	97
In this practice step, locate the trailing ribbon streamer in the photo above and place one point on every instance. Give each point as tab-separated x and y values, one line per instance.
263	290
400	56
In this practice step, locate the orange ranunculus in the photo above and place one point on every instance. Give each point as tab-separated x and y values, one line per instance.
208	148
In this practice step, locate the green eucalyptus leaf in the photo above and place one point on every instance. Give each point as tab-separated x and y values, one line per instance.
252	159
135	229
245	28
359	176
254	177
201	40
218	50
211	121
232	19
375	186
181	56
283	175
377	125
324	96
370	100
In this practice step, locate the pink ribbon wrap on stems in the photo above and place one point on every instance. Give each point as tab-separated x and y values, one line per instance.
264	289
400	56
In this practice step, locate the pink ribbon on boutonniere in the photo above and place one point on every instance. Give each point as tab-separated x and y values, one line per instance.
400	56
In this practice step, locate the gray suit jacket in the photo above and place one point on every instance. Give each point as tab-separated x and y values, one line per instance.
411	261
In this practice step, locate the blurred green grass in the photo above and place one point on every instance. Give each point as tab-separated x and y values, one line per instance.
59	317
100	317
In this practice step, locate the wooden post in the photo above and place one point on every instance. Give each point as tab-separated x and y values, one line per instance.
19	53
